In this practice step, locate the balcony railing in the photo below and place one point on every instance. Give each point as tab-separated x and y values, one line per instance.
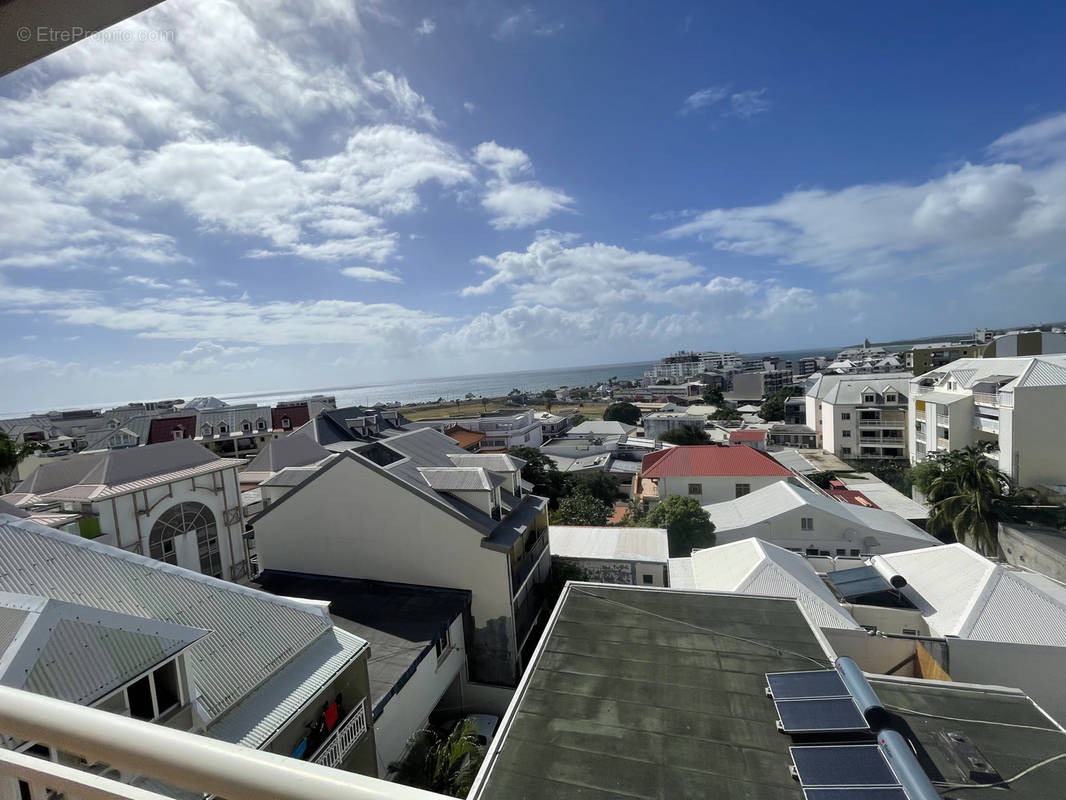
985	399
187	761
882	423
919	436
529	560
986	424
342	741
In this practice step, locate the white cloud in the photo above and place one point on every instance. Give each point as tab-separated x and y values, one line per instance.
25	362
978	216
403	98
516	204
143	281
426	27
470	107
368	274
525	20
748	104
207	356
703	98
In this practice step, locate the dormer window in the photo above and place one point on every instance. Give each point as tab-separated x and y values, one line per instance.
222	429
205	430
179	432
286	423
260	424
246	426
869	398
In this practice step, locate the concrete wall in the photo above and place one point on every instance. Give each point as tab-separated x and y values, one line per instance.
830	419
408	710
126	521
715	489
353	522
748	385
1039	435
899	621
1020	548
872	653
1034	669
632	573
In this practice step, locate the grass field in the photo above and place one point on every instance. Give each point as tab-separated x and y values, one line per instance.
469	407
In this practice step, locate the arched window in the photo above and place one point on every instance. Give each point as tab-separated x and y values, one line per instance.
187	518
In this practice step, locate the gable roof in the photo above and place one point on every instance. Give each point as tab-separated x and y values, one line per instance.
1010	372
706	460
460	479
961	593
748	435
81	654
252	635
752	566
116	467
781	497
598	427
161	429
333	425
288	451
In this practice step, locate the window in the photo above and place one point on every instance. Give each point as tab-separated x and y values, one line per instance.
167	693
841	551
890	398
845	451
807	523
648	578
260	425
743	489
246	426
869	398
205	430
444	644
222	428
855	552
286	423
811	551
695	488
178	433
845	415
187	518
140	698
845	434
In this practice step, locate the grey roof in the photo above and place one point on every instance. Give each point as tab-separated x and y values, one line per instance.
849	389
137	425
232	417
662	694
460	479
287	451
115	467
205	404
596	427
401	622
1011	371
494	462
252	634
13	510
81	654
290	476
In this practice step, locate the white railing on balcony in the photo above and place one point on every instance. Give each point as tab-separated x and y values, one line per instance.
184	760
986	424
882	423
919	436
342	741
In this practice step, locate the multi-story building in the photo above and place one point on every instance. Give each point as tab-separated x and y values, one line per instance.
176	502
684	364
416	508
860	417
1016	404
924	358
95	626
757	385
503	429
658	423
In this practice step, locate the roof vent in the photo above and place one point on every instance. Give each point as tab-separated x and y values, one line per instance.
965	755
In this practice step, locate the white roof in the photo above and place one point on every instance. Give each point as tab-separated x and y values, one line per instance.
681	576
961	593
752	566
781	497
1026	371
848	389
609	544
885	495
596	427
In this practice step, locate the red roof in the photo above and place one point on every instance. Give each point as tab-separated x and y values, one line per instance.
856	498
298	415
709	460
747	436
161	429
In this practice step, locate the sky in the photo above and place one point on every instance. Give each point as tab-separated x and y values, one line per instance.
256	195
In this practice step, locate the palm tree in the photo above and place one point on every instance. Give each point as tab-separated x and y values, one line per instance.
446	765
11	455
969	496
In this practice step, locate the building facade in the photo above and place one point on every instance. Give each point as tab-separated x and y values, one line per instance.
859	417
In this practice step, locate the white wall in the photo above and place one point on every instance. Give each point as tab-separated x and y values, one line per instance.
409	709
830	417
350	521
1039	435
876	654
1035	669
630	573
716	488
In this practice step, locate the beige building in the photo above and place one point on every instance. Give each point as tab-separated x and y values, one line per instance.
858	417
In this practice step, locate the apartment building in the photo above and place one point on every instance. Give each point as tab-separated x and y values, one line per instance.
416	508
659	422
858	417
924	358
684	364
176	502
503	429
760	384
1016	404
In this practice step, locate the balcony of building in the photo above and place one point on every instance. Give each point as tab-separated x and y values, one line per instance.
882	419
158	759
986	424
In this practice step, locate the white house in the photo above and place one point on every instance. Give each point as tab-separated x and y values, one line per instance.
1016	404
94	625
637	556
503	429
711	473
416	508
176	502
803	521
860	416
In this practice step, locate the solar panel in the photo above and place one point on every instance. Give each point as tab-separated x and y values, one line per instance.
856	793
858	581
812	683
844	766
827	714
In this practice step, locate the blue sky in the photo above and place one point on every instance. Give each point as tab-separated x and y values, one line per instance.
226	196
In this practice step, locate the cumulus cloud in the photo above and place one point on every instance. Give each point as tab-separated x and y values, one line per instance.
516	203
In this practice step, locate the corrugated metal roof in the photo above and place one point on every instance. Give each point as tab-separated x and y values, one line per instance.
712	460
747	436
11	620
256	719
1045	371
460	479
626	544
494	462
753	566
288	451
252	633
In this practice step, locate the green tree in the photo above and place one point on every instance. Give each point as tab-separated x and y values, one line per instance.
542	473
685	434
622	412
688	526
11	455
712	396
969	496
599	484
547	397
821	479
446	765
773	409
725	413
581	507
577	419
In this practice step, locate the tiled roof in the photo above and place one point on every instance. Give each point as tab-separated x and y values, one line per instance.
747	436
464	437
712	460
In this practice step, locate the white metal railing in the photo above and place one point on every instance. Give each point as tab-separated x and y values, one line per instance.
985	399
184	760
882	423
343	740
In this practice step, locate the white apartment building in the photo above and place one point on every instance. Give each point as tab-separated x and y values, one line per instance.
503	429
175	502
681	365
659	422
860	416
1018	404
